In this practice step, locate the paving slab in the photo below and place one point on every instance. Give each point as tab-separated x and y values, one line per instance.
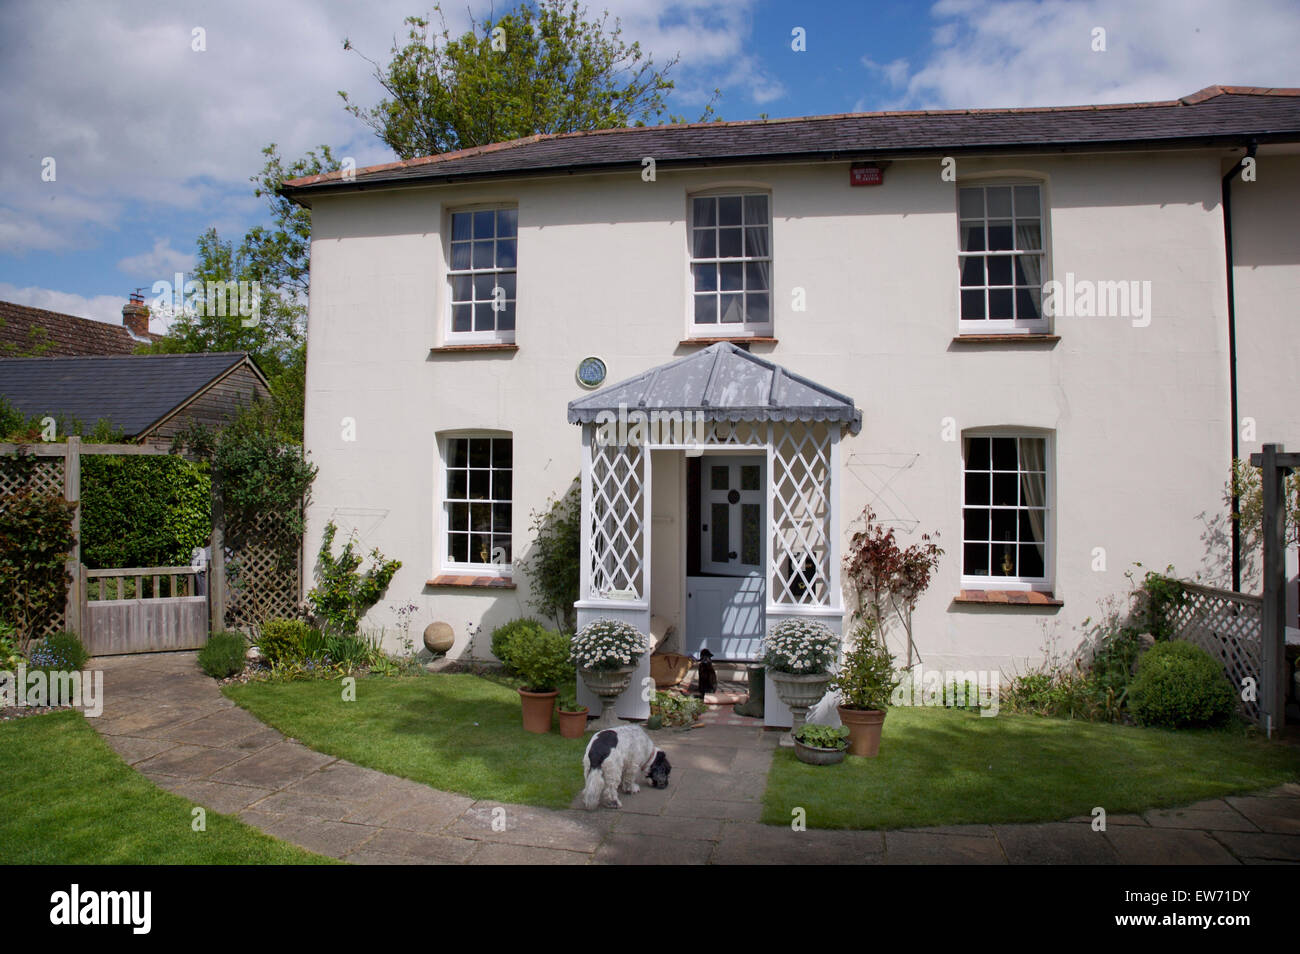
1167	846
494	854
728	810
917	848
1060	843
1261	845
669	826
221	727
534	827
635	849
749	844
135	750
428	849
189	761
220	797
274	767
1278	815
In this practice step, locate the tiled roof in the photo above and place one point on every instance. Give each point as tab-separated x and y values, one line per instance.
35	331
133	391
722	383
1217	115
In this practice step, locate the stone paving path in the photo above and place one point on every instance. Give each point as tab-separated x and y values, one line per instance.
171	723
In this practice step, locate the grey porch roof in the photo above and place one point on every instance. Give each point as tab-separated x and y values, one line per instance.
724	383
133	391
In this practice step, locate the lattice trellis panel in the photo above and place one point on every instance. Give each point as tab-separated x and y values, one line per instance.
42	475
1228	626
617	520
262	582
799	568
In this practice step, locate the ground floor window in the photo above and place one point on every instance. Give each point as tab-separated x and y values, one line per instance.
477	496
1005	509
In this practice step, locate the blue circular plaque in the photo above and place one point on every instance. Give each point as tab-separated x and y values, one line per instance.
591	372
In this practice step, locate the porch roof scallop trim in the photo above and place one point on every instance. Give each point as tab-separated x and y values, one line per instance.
723	383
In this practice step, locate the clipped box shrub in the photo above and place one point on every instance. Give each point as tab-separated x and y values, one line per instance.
223	656
284	641
541	658
502	636
1179	685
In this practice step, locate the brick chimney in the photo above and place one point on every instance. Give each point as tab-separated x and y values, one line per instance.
135	315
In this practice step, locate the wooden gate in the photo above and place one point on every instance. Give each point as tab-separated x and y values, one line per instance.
142	610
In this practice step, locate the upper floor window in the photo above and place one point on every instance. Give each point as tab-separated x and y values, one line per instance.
1001	258
1005	511
731	264
483	253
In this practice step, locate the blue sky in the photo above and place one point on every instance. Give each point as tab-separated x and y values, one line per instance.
154	142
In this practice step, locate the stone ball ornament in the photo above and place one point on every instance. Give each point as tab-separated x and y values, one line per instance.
439	638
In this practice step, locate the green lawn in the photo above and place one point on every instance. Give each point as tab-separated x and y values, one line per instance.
455	732
67	798
946	767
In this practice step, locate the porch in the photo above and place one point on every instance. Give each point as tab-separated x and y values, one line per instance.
710	490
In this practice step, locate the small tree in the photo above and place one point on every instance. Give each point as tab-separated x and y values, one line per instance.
343	595
554	566
888	580
35	538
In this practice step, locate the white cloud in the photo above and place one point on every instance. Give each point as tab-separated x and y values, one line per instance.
105	308
994	53
162	259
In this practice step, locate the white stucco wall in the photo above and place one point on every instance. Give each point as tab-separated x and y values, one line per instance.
1138	415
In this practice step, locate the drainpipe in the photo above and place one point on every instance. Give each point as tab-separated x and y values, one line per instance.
1226	200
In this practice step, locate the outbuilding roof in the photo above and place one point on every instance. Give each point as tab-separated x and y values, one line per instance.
723	383
1216	116
134	391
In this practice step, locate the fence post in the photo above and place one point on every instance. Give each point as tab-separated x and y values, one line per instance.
72	494
217	563
1273	680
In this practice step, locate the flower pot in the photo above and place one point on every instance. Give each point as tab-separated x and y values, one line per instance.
799	692
864	730
537	708
816	755
608	684
573	724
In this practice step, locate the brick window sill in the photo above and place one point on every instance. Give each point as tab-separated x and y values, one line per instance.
474	348
1007	598
1012	339
473	582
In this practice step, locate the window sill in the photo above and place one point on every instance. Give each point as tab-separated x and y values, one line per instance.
473	582
1008	598
474	348
1007	338
734	339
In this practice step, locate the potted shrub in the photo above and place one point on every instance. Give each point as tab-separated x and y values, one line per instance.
541	658
606	652
866	682
820	744
799	654
572	715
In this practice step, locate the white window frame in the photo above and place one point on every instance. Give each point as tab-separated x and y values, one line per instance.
494	336
744	329
1045	582
443	557
1012	326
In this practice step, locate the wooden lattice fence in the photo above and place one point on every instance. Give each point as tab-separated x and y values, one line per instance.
263	570
1228	626
42	474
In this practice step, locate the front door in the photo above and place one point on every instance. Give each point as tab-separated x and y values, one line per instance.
726	602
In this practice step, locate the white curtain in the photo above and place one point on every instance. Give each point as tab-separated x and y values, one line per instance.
1033	488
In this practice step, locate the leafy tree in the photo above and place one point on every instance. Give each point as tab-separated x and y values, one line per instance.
542	69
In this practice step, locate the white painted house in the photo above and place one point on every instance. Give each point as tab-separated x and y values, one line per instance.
1013	327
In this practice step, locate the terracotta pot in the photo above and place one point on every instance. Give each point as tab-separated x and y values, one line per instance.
816	755
537	707
864	730
573	724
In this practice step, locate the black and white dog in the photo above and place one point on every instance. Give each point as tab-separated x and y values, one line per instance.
615	759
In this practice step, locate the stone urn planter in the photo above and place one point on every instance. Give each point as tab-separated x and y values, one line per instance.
799	692
537	708
864	727
608	684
